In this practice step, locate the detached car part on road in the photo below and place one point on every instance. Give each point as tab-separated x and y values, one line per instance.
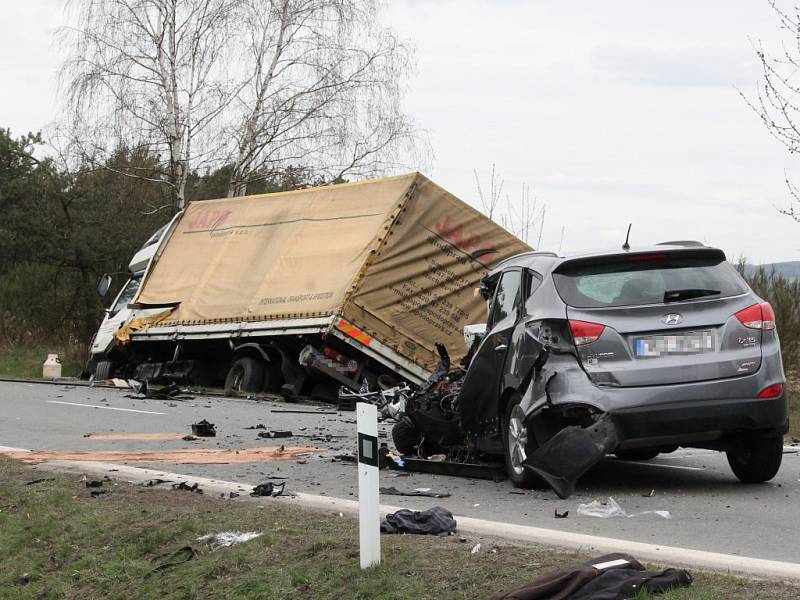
633	353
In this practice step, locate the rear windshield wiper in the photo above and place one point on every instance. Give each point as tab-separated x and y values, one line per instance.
686	294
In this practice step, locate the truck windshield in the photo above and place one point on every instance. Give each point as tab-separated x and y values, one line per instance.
667	278
127	294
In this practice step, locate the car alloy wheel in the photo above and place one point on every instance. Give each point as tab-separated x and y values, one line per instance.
517	441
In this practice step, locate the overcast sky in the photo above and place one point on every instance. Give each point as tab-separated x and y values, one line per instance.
613	112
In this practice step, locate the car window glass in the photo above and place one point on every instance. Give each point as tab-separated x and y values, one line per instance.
505	297
637	283
532	282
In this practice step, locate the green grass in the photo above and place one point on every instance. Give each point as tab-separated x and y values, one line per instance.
25	362
58	542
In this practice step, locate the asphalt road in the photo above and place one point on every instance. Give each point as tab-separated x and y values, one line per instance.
710	509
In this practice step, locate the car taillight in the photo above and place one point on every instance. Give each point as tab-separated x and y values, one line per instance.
584	332
773	391
759	316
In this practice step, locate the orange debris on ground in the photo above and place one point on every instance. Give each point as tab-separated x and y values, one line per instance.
156	437
198	456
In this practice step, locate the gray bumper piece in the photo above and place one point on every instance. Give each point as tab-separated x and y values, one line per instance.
562	460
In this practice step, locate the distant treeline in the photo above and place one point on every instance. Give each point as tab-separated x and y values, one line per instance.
62	227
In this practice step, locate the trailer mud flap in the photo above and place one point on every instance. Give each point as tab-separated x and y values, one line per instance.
562	460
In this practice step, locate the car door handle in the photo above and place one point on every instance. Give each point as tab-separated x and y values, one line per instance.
501	348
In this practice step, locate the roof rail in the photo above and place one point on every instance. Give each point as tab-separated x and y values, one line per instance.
532	253
686	243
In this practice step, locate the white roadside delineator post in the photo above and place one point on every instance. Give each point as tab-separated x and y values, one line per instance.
369	530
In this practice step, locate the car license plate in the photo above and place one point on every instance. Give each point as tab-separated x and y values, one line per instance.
695	342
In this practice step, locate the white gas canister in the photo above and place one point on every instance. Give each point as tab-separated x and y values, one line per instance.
51	368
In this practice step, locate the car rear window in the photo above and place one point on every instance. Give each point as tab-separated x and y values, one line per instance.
646	279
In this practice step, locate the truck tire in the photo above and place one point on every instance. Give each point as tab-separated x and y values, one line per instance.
516	445
757	460
637	454
246	375
406	437
103	370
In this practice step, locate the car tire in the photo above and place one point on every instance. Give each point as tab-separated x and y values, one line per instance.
637	454
516	445
406	437
103	370
757	459
246	376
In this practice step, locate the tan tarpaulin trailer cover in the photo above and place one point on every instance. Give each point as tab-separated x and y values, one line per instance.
398	257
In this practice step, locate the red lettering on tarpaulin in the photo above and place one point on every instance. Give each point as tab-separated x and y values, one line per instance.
209	218
482	252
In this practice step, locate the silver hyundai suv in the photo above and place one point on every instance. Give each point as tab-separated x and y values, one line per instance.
631	352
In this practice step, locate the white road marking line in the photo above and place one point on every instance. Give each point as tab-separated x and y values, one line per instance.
650	464
145	412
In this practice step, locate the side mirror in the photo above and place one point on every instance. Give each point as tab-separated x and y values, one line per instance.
104	284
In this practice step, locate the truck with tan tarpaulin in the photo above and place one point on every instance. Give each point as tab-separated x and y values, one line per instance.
302	292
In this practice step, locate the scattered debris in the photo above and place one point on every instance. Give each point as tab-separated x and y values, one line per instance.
610	508
189	438
259	426
232	495
172	559
96	493
560	515
650	494
283	433
40	480
24	580
434	521
476	548
195	487
493	471
438	458
268	489
389	459
155	482
228	538
345	458
94	484
170	391
425	492
204	429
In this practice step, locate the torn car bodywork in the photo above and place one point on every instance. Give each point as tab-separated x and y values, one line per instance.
568	397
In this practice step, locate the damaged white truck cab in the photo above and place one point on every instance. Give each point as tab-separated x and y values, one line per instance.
304	292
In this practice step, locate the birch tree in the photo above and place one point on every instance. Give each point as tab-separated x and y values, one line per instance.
323	87
152	75
777	102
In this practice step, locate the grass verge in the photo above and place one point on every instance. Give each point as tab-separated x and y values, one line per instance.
56	541
25	362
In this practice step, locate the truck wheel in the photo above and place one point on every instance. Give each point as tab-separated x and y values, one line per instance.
516	444
637	454
103	370
246	375
757	460
406	437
